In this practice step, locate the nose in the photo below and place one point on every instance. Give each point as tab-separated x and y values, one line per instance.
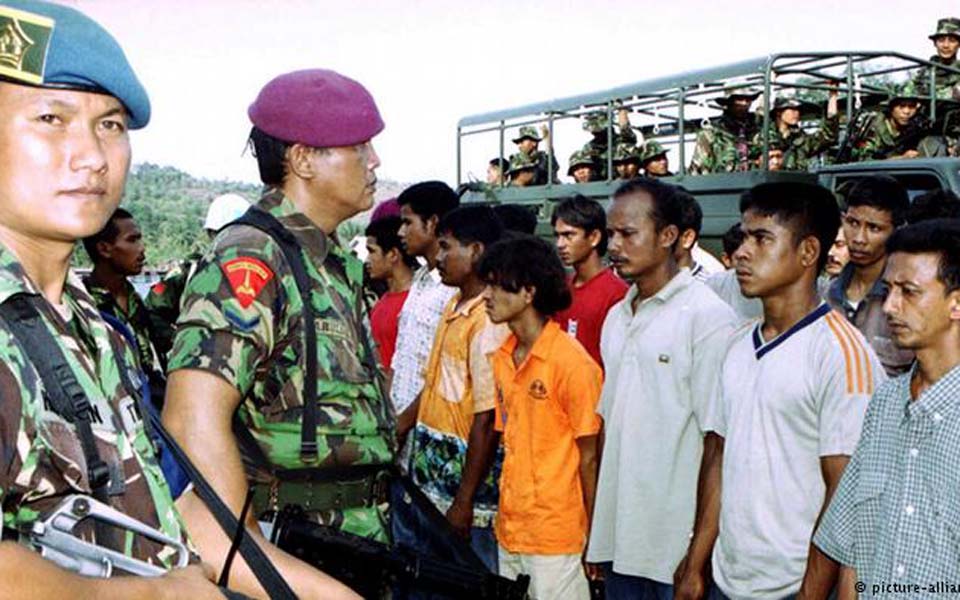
742	252
487	292
373	159
891	306
87	151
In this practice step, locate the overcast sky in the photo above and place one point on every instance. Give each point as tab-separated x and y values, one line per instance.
428	63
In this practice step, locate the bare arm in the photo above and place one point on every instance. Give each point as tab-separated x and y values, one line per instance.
198	411
28	576
481	448
588	446
846	583
407	419
690	576
822	571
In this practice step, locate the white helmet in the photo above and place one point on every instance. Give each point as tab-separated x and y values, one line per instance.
223	209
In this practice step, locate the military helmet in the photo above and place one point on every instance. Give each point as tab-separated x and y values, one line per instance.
521	162
651	150
947	26
625	153
731	92
527	132
578	159
905	91
789	102
596	122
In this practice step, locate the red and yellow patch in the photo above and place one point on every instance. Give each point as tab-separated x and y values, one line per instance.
247	276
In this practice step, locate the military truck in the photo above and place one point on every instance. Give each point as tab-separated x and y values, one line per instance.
673	109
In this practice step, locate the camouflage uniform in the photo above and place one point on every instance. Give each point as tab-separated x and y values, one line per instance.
596	123
541	158
944	80
725	146
652	149
240	320
43	457
136	317
799	147
163	302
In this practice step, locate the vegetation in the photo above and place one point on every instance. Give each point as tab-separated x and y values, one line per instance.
169	205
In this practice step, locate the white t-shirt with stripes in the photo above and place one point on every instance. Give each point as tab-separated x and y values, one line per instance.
785	403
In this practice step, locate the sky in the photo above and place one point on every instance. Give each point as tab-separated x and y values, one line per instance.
430	62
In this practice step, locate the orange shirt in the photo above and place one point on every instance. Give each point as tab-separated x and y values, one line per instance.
542	407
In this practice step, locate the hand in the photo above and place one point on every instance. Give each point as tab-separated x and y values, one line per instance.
910	154
460	515
688	584
545	132
593	571
193	581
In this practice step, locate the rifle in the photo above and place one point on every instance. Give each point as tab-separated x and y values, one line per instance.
916	129
365	565
55	538
856	129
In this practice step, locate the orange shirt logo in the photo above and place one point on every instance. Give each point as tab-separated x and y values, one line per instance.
537	390
247	276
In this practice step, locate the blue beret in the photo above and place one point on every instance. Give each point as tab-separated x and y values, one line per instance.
48	45
318	108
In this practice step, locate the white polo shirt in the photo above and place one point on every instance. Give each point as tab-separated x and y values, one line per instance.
660	395
786	403
725	285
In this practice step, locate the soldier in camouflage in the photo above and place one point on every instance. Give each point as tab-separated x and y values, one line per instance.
626	161
64	157
724	145
163	299
881	133
799	148
528	143
596	123
946	39
581	167
240	342
653	159
522	171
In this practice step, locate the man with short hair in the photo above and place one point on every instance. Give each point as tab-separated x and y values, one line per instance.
580	226
547	391
893	518
422	205
731	240
240	358
68	97
838	257
454	442
497	171
938	204
690	224
876	206
723	146
946	40
387	262
117	253
662	346
794	389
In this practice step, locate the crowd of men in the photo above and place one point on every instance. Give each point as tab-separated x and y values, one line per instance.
784	426
735	140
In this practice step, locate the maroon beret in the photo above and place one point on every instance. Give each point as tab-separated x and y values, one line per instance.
318	108
387	208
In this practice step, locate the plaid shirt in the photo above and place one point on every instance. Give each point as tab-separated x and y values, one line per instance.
896	514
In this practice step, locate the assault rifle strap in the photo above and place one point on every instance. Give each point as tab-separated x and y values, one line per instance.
267	223
60	385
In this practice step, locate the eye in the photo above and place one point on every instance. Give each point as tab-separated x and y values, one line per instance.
50	119
113	126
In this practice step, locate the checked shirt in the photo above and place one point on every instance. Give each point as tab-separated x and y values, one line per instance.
896	514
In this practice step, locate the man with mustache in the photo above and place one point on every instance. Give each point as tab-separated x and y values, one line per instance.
117	253
894	515
240	357
662	346
876	206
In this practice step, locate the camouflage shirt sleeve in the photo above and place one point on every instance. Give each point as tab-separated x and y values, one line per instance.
702	161
234	308
11	425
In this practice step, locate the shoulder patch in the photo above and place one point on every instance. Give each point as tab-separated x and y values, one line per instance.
247	276
158	288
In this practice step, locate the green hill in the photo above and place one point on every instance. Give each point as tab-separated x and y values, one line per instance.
169	205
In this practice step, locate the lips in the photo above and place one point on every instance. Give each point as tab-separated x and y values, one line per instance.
85	191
